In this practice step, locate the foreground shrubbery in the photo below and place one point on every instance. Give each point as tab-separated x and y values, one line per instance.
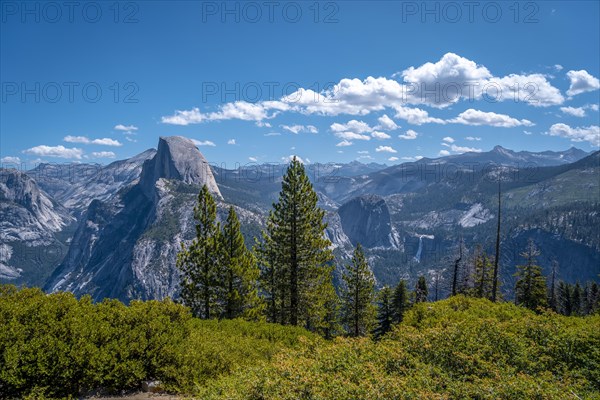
58	346
459	348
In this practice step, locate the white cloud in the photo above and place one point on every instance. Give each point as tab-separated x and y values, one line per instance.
103	154
533	89
448	139
574	111
55	151
364	158
253	159
409	135
589	134
418	157
444	153
231	141
10	160
352	136
386	123
473	139
86	140
125	128
593	107
477	118
272	134
351	126
441	84
581	82
262	124
184	117
528	132
363	152
296	129
385	149
344	143
380	135
203	143
106	142
289	159
415	116
461	149
558	67
392	159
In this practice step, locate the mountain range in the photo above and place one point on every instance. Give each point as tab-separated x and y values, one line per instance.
115	230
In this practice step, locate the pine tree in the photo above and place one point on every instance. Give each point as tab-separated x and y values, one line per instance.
497	258
576	299
552	301
239	273
295	254
483	275
358	310
421	291
385	312
400	301
530	288
565	298
456	269
199	263
594	298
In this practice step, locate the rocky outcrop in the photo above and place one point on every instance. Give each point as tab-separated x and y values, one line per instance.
366	220
178	158
29	223
126	247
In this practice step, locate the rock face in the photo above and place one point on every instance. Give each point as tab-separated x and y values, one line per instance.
366	220
29	223
126	247
178	158
76	185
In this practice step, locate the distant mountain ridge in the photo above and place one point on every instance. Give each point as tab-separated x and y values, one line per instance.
133	214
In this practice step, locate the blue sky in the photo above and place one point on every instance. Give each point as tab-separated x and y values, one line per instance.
331	81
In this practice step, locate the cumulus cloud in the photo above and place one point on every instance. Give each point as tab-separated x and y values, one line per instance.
380	135
10	160
352	126
86	140
409	135
444	153
473	139
448	139
296	129
103	154
344	143
589	134
581	82
386	123
352	136
203	143
392	159
231	141
385	149
477	118
437	84
125	128
464	149
288	159
55	151
416	116
574	111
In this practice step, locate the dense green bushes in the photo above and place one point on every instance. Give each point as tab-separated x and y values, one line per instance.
460	348
60	346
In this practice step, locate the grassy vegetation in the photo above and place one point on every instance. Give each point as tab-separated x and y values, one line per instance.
460	348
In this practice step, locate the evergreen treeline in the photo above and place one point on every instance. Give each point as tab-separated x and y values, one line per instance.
287	277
